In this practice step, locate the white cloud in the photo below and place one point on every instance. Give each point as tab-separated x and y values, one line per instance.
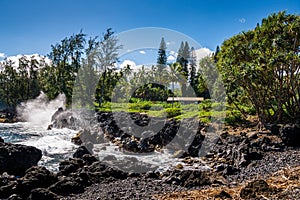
131	63
2	55
203	52
171	58
173	53
242	20
142	52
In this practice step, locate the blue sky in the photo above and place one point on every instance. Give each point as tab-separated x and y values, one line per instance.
31	26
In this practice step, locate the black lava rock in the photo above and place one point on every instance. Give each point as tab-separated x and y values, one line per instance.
42	193
35	177
290	134
15	159
188	178
69	166
80	152
230	170
67	186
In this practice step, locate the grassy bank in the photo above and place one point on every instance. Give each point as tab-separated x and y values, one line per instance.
206	111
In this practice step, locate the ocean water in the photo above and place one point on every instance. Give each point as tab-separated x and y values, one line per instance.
56	146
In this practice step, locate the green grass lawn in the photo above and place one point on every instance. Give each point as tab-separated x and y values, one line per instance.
206	111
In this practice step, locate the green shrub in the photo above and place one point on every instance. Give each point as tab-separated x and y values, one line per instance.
135	100
234	117
173	112
171	105
140	106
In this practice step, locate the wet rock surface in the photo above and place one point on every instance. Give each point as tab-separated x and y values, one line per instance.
74	176
15	159
127	131
65	119
239	156
72	119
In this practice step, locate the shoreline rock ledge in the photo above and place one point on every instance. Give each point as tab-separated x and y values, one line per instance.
15	159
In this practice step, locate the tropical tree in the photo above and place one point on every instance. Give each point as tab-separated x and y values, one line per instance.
19	82
106	56
263	65
162	56
34	85
66	60
193	68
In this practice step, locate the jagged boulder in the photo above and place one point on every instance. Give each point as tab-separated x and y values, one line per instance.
42	193
15	159
290	134
72	119
65	119
66	186
80	152
35	177
188	178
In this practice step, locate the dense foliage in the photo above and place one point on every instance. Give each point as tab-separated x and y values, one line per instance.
261	66
66	60
20	82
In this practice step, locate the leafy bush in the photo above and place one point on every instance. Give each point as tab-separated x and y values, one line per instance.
173	112
234	117
135	100
140	106
263	65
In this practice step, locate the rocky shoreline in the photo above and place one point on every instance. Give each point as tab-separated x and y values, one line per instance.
149	188
8	116
240	155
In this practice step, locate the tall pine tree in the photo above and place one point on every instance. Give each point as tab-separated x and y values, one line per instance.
216	54
180	53
193	66
183	59
162	56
